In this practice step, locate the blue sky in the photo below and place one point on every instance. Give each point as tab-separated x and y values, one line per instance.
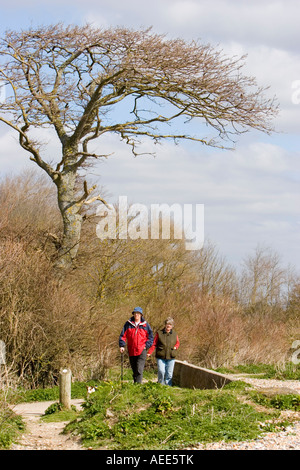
251	195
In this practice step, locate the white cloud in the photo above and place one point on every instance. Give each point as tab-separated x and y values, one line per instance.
268	22
255	22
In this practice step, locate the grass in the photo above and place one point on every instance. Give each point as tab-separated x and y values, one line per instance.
279	402
56	412
155	417
288	371
78	390
11	425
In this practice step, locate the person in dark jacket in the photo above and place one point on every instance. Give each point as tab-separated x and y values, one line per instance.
138	335
166	343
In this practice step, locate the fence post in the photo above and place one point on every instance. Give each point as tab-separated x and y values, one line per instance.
65	388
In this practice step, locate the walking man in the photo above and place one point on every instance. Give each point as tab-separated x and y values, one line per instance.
138	335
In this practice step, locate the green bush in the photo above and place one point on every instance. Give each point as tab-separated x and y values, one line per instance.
56	412
280	402
53	408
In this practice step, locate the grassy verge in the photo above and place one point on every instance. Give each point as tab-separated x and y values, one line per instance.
11	426
152	416
288	371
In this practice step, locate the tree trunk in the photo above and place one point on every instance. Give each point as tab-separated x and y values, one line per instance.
70	210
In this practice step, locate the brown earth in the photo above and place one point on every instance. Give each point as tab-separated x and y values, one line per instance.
40	435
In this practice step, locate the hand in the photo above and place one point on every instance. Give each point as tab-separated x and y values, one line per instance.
122	350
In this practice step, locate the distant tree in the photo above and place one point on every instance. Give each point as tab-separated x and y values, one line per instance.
293	307
264	281
79	80
214	275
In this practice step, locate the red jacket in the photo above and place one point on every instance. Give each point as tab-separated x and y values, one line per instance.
137	337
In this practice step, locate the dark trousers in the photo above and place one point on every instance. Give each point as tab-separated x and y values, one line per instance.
137	365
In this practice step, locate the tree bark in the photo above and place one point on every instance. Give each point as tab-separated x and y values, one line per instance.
69	207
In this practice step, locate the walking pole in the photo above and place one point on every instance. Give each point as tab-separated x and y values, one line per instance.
122	364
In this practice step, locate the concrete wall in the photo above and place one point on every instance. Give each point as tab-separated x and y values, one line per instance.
190	376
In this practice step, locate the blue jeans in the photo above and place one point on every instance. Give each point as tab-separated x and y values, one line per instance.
165	370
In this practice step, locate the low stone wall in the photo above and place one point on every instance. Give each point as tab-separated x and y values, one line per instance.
190	376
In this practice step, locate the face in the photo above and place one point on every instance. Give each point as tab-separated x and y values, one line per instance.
137	316
168	327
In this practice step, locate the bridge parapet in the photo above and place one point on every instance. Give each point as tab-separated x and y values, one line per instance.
190	376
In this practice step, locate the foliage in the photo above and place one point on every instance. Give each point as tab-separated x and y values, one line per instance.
56	412
279	401
10	426
152	416
53	408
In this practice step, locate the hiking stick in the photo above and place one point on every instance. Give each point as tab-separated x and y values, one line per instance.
122	366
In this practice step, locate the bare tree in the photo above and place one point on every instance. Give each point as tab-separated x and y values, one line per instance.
264	281
214	275
72	79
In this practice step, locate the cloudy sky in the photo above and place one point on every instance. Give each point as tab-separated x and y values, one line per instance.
251	195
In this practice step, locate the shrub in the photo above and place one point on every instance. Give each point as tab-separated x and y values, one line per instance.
279	401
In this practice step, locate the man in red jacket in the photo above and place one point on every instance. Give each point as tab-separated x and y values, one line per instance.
139	337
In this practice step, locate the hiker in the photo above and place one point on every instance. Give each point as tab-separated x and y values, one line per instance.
139	337
166	343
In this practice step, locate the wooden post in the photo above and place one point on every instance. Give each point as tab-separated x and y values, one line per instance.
65	388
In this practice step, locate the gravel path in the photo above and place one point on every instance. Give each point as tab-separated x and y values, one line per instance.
40	435
286	439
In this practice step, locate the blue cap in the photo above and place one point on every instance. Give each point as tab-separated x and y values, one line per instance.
138	310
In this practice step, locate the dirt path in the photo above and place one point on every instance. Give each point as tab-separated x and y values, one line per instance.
40	435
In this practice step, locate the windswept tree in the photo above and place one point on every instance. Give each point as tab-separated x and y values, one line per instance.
85	82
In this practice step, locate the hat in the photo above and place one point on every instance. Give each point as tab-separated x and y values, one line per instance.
138	310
